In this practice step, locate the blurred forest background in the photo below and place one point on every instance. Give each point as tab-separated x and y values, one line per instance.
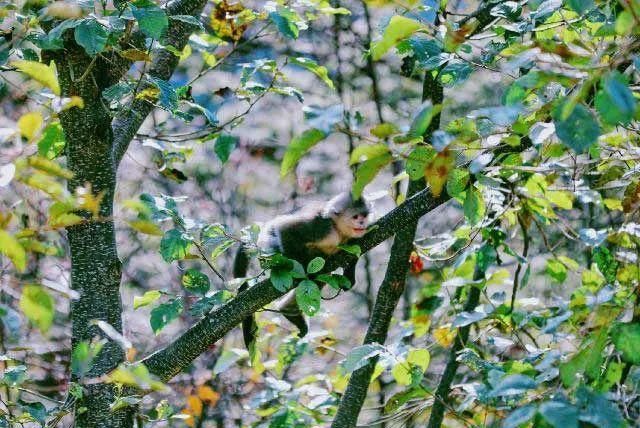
519	116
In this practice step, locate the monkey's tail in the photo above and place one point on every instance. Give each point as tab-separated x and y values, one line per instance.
249	325
291	311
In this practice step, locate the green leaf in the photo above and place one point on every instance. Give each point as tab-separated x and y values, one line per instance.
168	98
606	262
384	130
559	414
51	144
587	361
146	299
457	181
626	338
474	206
615	101
315	265
82	357
10	247
298	147
351	249
164	313
514	384
91	36
625	23
556	270
519	417
581	6
152	20
315	68
224	145
195	281
420	358
597	410
281	279
401	372
367	171
359	356
38	306
423	118
418	160
398	29
286	22
364	152
339	282
175	245
579	130
308	297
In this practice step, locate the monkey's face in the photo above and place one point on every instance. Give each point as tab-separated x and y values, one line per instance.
351	224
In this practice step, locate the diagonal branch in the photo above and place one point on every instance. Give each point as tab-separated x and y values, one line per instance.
171	360
128	121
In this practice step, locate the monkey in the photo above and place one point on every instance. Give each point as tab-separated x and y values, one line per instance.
315	230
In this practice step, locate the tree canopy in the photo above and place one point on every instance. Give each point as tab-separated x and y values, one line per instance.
145	142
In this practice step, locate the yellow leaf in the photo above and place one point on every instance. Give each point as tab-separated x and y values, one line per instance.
148	94
398	29
74	101
46	75
499	277
421	324
146	227
562	199
49	166
86	200
444	336
209	59
402	373
10	247
29	124
64	220
61	215
613	204
339	381
208	395
45	183
437	171
37	305
186	53
194	405
420	358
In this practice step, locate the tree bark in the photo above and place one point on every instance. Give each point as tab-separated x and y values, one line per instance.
95	267
93	155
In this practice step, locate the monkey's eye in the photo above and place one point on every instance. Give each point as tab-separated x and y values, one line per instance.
355	216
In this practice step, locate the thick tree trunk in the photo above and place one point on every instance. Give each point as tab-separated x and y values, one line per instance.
95	267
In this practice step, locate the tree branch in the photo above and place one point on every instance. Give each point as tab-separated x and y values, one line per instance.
169	361
128	121
392	287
